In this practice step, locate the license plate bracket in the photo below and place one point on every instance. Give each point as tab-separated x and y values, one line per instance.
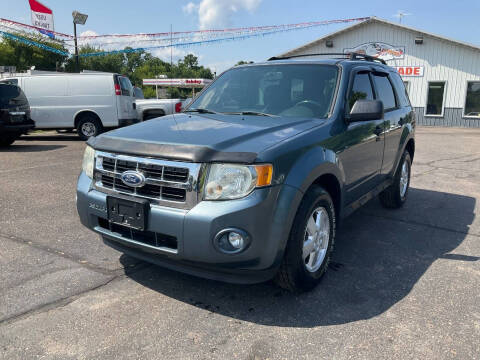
129	213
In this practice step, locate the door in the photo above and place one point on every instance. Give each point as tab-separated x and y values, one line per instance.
125	100
391	91
363	143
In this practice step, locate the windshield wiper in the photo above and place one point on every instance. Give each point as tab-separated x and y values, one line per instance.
201	111
254	113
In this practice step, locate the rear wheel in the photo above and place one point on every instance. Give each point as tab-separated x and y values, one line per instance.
310	244
395	195
89	126
7	140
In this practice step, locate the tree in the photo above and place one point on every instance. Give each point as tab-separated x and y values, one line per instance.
23	56
241	62
137	65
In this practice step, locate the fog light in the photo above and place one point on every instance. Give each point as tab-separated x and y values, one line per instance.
231	241
236	240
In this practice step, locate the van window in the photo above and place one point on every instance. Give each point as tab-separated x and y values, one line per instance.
125	85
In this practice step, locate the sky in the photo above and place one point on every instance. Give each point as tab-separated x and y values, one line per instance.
454	19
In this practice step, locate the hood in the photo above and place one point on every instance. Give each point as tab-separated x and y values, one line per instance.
203	137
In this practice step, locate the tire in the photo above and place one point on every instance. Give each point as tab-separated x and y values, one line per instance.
299	272
395	195
6	141
89	126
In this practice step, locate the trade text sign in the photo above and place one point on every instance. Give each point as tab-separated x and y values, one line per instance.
42	18
379	50
410	70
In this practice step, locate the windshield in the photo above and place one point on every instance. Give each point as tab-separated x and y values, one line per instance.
297	90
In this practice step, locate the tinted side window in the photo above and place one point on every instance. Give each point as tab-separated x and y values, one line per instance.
361	89
400	89
10	81
9	92
385	91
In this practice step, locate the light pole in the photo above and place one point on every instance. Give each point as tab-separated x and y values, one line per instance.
78	18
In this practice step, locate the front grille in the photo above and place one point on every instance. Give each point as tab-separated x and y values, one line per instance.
167	183
145	237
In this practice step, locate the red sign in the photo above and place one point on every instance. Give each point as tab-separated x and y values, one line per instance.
409	70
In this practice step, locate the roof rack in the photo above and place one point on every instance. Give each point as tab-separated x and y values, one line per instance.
351	56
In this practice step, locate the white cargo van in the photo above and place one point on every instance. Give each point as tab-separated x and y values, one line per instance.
88	102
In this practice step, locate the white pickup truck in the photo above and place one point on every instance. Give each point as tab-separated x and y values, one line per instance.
152	108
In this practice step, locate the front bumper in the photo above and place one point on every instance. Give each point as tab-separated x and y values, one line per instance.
266	215
20	128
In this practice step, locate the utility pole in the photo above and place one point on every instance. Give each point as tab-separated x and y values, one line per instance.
78	18
77	61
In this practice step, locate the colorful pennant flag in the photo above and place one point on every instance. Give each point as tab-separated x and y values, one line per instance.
42	18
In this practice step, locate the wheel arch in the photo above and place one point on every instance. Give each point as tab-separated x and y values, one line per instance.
81	113
410	147
319	167
159	111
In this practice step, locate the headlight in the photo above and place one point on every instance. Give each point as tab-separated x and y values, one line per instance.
230	181
88	161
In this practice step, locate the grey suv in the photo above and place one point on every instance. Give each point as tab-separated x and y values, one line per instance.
251	181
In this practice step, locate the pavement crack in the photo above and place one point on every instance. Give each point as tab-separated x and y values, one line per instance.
81	262
60	303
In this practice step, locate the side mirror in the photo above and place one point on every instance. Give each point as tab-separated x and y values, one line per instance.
364	110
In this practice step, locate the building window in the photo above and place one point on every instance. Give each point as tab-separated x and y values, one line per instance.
435	98
472	102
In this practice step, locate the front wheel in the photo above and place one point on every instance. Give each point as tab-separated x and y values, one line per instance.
310	244
89	126
395	195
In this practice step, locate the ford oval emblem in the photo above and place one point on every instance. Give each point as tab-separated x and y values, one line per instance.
133	178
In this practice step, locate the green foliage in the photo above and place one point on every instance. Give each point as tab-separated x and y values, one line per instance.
136	65
23	56
241	62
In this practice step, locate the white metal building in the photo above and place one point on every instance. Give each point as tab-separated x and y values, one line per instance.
442	75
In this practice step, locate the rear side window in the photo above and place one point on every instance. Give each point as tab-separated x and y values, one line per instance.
11	92
361	89
401	89
385	91
125	85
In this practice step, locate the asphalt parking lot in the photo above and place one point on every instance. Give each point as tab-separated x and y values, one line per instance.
403	283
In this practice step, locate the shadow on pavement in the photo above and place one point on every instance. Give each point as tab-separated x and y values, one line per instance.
379	257
51	137
15	147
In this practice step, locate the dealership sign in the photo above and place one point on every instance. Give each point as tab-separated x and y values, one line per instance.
410	70
42	18
378	50
187	83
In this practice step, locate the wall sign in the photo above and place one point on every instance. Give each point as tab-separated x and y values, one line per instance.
379	50
409	70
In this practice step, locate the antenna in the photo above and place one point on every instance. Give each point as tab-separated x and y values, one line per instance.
400	14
